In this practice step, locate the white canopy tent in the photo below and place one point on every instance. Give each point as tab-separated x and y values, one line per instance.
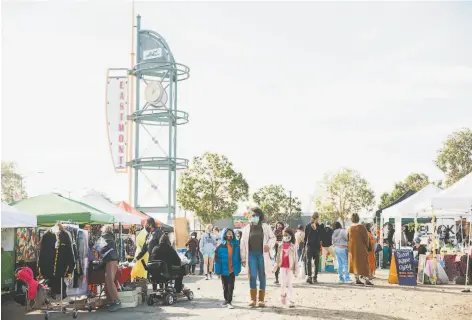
408	208
99	202
14	218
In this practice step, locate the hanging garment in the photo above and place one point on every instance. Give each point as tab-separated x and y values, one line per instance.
26	275
80	286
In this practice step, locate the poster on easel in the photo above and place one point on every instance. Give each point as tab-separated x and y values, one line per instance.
405	266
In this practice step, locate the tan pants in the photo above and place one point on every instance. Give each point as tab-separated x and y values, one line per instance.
110	286
324	254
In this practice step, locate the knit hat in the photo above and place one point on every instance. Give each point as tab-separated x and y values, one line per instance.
418	240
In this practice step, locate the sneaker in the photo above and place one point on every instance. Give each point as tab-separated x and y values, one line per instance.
211	276
224	304
368	283
309	280
348	281
206	277
276	281
291	304
115	306
230	306
315	281
359	282
341	281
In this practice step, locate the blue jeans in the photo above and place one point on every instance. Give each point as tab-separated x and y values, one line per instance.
341	256
256	267
300	254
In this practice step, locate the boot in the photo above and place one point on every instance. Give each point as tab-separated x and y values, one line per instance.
261	298
253	293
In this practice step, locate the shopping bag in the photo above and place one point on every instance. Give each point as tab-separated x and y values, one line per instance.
138	270
301	269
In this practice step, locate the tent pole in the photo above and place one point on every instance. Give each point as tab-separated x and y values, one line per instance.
468	255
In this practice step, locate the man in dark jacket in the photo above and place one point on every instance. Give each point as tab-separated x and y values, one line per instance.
153	237
313	238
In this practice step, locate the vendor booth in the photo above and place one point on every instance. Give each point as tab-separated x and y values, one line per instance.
12	218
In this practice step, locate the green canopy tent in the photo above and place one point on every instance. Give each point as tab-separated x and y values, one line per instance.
50	208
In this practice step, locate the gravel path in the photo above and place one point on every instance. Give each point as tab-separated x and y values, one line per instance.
327	300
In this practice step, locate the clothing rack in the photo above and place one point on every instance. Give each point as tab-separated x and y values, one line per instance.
62	308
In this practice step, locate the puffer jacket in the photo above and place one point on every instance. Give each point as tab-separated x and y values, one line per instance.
222	258
292	258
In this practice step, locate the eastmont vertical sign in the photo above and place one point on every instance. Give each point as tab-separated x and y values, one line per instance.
116	111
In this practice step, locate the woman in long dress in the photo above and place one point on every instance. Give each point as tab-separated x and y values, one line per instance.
371	250
358	251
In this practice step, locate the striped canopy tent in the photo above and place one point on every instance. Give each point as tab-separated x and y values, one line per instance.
128	208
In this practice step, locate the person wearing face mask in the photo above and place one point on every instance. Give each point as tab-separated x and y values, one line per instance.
228	264
278	232
238	235
192	252
313	238
154	234
207	248
287	262
256	242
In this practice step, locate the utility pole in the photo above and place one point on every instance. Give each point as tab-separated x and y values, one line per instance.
290	205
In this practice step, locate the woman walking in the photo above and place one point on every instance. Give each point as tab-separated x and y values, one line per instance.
192	252
371	250
278	232
287	262
299	238
256	242
110	259
358	251
340	249
207	248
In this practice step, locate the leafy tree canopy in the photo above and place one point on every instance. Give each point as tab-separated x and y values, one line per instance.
455	156
345	193
414	182
211	188
277	204
11	183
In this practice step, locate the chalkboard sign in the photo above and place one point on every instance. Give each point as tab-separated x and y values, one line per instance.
405	267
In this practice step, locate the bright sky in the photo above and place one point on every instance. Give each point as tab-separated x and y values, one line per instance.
287	91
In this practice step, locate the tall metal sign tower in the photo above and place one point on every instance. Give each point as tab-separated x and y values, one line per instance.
155	118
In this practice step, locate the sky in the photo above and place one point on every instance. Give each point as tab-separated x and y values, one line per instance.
287	91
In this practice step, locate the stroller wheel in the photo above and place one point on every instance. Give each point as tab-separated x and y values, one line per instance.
89	308
75	315
46	316
150	301
169	299
190	295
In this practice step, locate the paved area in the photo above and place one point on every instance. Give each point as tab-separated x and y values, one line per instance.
327	300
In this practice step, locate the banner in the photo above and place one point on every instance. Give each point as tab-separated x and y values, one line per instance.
117	111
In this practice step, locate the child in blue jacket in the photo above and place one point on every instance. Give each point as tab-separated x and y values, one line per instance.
228	264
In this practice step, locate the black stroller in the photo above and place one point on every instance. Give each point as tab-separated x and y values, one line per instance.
159	274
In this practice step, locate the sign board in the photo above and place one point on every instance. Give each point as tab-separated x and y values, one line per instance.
117	111
405	266
152	54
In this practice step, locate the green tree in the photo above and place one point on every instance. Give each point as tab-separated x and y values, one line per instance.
345	193
277	203
211	188
12	183
414	182
455	156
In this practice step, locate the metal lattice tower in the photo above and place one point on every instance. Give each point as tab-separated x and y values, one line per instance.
157	76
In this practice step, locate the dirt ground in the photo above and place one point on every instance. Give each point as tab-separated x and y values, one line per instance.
327	300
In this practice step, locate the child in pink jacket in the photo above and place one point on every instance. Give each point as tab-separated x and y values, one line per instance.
287	261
